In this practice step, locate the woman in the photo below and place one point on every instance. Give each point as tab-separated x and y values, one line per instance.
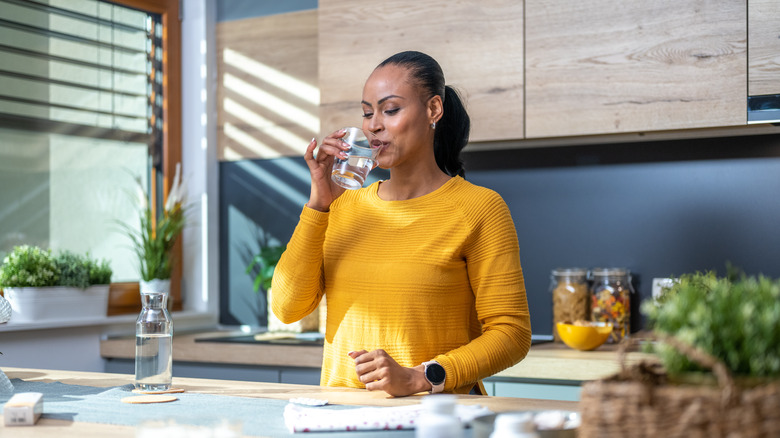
422	271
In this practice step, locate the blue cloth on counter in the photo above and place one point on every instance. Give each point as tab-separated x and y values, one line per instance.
260	417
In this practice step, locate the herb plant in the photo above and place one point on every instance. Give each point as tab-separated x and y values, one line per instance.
99	271
736	320
29	266
74	271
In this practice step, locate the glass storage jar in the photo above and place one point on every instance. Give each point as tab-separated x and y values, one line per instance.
570	297
611	293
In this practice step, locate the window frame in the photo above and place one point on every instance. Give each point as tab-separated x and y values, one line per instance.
172	121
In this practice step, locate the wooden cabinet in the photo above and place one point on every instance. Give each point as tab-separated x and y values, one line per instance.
601	66
267	93
763	47
532	69
478	44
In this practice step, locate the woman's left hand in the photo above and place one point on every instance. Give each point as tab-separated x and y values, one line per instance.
379	371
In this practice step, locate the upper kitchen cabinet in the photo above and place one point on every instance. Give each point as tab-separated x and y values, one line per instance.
267	96
478	44
763	47
763	61
605	66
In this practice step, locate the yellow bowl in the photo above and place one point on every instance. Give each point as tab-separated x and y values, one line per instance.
584	337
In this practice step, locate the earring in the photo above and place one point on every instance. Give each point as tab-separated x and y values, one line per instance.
433	125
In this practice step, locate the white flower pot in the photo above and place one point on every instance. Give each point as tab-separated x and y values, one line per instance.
155	286
36	304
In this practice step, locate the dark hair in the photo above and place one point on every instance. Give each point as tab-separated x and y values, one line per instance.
452	130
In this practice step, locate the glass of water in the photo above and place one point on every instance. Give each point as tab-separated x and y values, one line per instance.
352	172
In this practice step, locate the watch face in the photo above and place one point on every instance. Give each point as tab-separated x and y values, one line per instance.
435	374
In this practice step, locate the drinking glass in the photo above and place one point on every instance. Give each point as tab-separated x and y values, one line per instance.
352	172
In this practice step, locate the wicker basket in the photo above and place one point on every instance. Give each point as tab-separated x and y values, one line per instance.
640	402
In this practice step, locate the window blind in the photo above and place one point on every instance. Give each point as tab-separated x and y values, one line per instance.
89	68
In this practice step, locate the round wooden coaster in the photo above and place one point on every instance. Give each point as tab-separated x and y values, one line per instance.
169	391
149	399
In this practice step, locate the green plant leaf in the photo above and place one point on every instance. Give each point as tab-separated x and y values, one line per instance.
264	264
735	319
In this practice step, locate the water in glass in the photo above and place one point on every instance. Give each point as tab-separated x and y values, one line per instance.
153	344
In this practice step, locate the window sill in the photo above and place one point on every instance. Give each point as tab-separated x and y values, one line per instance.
187	317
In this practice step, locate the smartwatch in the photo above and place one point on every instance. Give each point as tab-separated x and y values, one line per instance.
435	375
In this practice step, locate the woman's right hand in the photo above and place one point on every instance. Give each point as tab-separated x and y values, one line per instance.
323	190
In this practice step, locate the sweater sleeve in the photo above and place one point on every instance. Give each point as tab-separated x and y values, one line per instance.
496	277
298	283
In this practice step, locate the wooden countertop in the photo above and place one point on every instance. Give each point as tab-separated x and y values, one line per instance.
185	348
347	396
552	361
548	361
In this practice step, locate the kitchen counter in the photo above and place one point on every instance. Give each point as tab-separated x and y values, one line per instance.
547	362
195	347
557	362
345	396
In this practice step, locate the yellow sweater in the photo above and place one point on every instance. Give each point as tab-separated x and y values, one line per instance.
435	277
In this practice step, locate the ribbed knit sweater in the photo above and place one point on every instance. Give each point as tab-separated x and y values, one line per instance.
436	277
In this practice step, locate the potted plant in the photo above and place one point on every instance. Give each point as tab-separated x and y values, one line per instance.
153	241
41	286
263	266
734	319
717	340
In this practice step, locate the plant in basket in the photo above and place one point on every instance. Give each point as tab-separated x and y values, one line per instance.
718	340
737	321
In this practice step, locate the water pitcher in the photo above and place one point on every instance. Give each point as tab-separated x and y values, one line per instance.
154	338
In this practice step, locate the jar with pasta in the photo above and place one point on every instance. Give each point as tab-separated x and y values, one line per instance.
570	297
611	293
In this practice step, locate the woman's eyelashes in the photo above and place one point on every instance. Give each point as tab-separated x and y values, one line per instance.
388	112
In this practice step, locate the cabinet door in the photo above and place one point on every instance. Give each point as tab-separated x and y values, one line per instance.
605	66
764	47
479	45
267	96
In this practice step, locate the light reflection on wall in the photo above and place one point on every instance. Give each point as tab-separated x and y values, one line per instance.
264	112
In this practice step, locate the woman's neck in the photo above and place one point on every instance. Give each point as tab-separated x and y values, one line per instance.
404	185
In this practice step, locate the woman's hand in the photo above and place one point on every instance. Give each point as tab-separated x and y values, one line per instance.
378	371
323	190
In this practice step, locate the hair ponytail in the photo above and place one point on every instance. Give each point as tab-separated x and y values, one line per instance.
452	134
452	130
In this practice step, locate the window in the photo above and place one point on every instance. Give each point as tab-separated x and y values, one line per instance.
86	106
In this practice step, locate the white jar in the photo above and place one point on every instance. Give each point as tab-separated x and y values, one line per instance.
514	425
438	419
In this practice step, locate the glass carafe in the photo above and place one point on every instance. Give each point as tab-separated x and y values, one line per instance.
154	339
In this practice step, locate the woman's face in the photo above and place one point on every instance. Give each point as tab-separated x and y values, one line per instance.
398	117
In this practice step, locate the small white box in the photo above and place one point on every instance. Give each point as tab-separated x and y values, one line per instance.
23	409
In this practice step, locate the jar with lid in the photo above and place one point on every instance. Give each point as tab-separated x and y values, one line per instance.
570	297
611	300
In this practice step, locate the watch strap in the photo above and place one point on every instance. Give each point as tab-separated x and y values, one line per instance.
436	387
